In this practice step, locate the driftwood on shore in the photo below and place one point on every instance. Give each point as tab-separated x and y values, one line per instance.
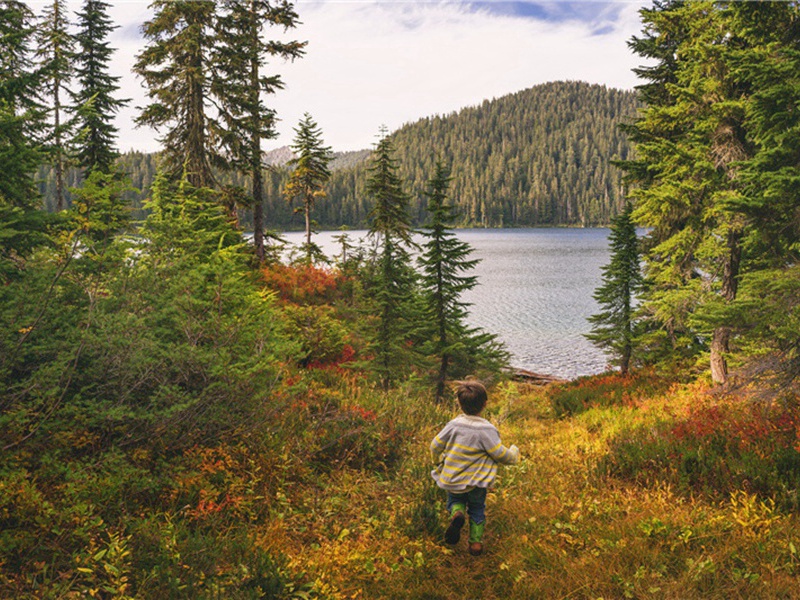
534	378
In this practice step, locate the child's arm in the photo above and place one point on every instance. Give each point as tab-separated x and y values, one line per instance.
503	455
499	453
437	447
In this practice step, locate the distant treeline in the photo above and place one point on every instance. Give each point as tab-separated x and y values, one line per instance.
539	157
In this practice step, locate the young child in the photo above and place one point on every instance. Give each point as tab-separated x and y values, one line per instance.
467	451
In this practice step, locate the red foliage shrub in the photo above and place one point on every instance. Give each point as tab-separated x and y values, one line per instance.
610	389
303	284
718	448
347	355
762	429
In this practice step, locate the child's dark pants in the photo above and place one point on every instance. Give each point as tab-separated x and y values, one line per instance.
475	501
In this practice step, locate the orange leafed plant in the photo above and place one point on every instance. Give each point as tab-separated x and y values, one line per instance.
303	284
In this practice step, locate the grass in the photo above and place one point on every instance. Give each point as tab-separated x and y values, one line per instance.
557	527
334	501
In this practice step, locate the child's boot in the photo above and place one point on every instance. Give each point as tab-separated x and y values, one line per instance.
457	518
475	537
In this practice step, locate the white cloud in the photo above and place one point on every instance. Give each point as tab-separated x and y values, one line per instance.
370	63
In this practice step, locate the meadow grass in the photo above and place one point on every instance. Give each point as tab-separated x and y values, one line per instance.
645	490
557	526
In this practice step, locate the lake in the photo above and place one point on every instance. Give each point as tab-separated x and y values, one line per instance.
534	292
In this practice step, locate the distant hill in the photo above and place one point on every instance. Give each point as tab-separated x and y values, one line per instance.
539	157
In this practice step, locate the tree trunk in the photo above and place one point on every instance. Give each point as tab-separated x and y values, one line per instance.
627	346
59	151
258	205
719	346
625	360
255	143
309	254
720	341
442	378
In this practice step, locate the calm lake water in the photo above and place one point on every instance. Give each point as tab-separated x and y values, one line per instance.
534	292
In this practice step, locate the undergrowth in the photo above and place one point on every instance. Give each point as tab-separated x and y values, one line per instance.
285	472
335	501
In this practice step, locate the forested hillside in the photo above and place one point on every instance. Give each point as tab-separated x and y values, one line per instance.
141	167
541	156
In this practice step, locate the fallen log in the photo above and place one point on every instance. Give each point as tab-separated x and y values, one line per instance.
534	378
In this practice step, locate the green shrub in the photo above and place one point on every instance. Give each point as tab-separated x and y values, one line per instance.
610	389
425	514
174	561
716	450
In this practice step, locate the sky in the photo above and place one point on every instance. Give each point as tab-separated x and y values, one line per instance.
374	63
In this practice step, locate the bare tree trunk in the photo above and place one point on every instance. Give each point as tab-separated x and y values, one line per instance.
309	254
719	346
720	341
258	203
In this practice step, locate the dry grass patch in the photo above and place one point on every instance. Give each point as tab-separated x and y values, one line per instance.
556	528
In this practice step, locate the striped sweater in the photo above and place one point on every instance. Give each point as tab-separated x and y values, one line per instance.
467	452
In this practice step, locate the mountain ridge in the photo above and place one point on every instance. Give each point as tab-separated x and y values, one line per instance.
542	156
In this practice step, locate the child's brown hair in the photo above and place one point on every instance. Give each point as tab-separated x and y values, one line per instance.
471	397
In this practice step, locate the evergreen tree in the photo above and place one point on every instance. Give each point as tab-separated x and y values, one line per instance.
55	51
100	213
240	82
443	261
765	318
690	139
613	327
351	257
185	222
309	175
389	215
393	285
175	68
767	63
21	224
20	108
94	103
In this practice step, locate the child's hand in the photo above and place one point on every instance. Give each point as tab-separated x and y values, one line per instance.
515	450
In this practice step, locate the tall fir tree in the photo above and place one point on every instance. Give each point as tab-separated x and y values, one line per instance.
94	104
766	312
240	82
175	68
21	111
56	54
393	285
690	139
309	175
613	328
22	224
444	261
767	63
